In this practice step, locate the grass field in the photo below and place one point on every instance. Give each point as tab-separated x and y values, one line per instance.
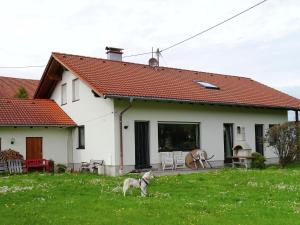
229	196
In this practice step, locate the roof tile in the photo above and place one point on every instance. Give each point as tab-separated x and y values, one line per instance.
9	86
32	112
115	78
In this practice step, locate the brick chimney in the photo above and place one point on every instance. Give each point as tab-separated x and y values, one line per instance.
114	53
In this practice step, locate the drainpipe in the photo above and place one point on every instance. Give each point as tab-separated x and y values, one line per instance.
121	133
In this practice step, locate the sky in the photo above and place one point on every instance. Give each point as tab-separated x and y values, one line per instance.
262	44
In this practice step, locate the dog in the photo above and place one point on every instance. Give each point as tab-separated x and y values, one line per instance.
140	183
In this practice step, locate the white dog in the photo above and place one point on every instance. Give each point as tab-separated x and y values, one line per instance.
140	183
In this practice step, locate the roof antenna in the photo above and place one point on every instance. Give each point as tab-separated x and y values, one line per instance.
158	55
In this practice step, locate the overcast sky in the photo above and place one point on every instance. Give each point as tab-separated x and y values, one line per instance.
262	44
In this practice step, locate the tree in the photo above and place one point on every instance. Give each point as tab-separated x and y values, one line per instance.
21	93
285	141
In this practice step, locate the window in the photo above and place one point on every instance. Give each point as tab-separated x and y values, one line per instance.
178	136
272	125
64	94
207	85
81	137
75	90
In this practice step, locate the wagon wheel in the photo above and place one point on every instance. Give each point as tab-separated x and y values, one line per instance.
190	161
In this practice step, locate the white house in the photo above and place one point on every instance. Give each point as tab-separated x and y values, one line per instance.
127	113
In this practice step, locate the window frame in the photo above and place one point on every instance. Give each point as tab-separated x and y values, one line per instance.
81	145
198	135
64	86
207	85
74	99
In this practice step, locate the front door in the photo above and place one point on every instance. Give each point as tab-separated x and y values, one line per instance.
228	141
34	148
142	156
259	138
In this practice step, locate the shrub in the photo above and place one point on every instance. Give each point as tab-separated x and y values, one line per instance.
61	168
285	139
258	161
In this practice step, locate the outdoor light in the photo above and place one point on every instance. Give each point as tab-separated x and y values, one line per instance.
12	140
126	127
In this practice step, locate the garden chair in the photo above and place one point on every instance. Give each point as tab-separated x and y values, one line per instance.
96	166
203	159
167	160
15	166
85	166
179	159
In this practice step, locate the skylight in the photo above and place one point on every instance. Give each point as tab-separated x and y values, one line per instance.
207	85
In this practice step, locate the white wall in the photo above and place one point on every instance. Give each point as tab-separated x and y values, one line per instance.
211	119
55	141
96	114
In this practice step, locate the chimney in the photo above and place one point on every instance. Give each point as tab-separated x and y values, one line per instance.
114	53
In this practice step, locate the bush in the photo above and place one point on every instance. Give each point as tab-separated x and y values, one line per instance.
258	161
285	139
61	168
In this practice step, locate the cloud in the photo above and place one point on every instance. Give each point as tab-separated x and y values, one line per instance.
261	44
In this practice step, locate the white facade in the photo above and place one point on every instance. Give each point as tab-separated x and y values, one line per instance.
100	118
210	118
56	142
97	116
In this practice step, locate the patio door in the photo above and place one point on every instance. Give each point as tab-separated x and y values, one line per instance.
142	156
34	148
228	141
259	138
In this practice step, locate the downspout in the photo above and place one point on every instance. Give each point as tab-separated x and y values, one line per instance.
121	134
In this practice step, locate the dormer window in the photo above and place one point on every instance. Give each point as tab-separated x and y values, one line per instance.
207	85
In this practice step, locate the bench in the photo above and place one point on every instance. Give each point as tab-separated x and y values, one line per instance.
93	166
37	163
242	161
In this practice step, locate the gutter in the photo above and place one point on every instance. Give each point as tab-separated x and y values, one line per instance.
121	134
200	102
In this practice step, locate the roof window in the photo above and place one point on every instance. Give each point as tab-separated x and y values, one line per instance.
207	85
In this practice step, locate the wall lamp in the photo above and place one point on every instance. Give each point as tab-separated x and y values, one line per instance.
12	140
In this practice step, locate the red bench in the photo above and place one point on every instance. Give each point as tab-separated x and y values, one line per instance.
37	163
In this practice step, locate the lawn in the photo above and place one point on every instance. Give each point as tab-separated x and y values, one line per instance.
228	196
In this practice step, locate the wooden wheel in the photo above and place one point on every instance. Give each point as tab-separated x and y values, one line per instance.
190	160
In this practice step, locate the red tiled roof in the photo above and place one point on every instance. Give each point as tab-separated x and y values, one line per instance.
9	86
32	112
115	78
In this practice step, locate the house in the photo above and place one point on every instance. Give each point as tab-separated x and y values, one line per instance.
9	86
127	113
36	128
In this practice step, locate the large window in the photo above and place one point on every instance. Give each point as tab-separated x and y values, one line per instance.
64	94
178	136
81	137
75	90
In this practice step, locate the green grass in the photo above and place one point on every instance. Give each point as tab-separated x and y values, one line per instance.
229	196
